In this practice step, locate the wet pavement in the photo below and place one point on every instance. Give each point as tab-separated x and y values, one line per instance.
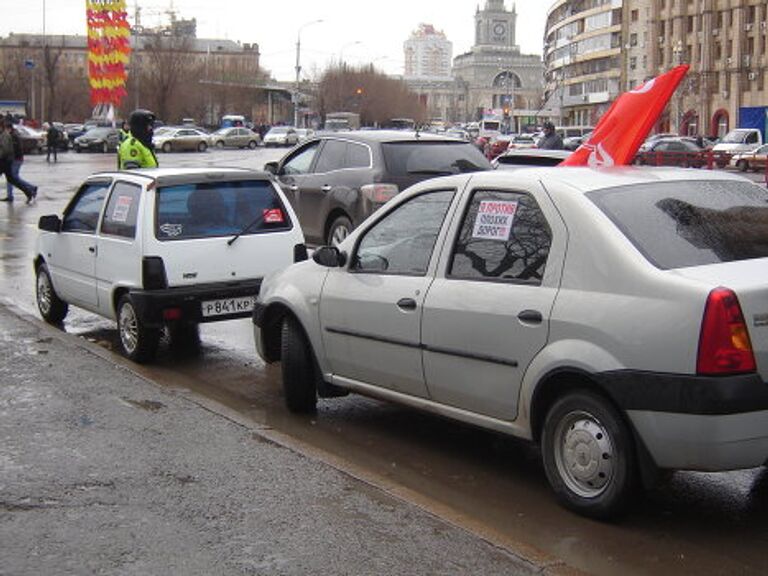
489	485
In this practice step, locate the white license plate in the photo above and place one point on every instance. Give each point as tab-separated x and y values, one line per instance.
228	306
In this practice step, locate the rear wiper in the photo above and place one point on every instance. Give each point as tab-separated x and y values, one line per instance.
244	230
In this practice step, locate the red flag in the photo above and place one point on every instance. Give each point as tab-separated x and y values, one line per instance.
620	132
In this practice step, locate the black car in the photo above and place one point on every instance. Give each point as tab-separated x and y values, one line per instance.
337	180
98	139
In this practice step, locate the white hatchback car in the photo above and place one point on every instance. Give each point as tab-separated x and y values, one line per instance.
618	318
164	248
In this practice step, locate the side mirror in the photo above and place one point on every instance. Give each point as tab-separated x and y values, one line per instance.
272	168
50	223
330	257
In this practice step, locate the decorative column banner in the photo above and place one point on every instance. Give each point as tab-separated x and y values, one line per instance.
109	49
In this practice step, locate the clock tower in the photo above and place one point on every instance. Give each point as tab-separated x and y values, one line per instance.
495	25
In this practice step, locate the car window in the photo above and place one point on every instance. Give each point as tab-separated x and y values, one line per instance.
504	236
83	213
752	138
690	223
122	210
332	156
403	241
433	157
213	209
358	156
301	162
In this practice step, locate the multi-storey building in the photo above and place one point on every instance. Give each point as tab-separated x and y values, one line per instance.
724	41
428	54
582	56
30	75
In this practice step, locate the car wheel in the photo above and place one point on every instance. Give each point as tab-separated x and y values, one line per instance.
202	147
252	144
299	370
52	308
167	147
219	144
742	165
138	342
78	149
339	230
589	455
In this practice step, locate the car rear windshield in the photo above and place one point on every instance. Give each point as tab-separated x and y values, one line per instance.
690	223
532	160
212	209
437	157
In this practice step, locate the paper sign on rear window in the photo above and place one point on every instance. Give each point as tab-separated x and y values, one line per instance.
494	220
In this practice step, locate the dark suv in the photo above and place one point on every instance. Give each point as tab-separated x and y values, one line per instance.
335	181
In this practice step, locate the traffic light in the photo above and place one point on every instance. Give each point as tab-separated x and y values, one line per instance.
359	91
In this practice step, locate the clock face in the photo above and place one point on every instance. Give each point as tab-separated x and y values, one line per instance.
499	29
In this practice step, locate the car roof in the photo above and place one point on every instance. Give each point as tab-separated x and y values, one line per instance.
175	176
579	179
384	136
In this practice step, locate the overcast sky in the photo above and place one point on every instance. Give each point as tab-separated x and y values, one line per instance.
362	31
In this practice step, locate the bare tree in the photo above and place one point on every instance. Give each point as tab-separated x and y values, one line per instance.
168	66
50	62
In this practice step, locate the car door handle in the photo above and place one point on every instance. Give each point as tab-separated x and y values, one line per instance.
530	317
406	304
326	188
92	249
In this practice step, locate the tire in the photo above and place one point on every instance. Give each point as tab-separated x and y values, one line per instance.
167	147
52	308
220	145
78	149
299	372
589	456
742	165
202	147
252	144
339	230
137	341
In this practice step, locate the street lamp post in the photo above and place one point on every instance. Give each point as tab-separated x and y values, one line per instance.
298	71
679	52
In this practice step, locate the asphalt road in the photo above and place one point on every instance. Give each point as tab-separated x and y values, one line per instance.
490	485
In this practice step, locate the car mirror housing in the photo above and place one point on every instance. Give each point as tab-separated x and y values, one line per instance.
50	223
330	257
272	167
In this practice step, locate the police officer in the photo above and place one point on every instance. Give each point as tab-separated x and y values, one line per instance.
136	151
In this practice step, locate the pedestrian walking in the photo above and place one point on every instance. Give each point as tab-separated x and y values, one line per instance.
551	139
52	138
6	163
18	159
137	151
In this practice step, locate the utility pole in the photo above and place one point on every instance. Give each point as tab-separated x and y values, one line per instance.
298	72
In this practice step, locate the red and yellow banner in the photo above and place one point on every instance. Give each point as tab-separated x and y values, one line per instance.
109	50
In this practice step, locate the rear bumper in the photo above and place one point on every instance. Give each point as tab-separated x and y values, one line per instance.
152	304
696	422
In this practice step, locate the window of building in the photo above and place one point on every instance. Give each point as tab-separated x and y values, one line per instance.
633	39
635	15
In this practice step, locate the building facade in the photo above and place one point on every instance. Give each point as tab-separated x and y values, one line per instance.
582	55
596	49
428	54
497	77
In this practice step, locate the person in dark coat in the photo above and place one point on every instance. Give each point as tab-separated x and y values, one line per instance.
18	159
52	138
551	139
6	162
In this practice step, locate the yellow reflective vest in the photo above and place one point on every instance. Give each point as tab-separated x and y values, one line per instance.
133	154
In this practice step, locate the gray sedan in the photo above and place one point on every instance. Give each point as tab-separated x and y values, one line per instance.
234	138
617	318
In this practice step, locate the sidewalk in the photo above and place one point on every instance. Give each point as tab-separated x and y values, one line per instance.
102	472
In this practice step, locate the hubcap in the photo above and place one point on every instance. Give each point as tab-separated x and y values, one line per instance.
44	293
584	454
339	235
129	329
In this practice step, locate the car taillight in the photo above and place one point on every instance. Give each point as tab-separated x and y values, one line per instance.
153	273
724	344
379	193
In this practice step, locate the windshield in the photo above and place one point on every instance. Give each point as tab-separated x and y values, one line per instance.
491	125
735	137
98	132
213	209
693	223
438	157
